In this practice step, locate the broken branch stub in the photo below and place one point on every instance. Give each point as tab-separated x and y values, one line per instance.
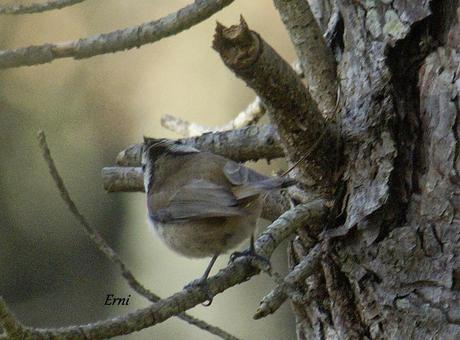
291	108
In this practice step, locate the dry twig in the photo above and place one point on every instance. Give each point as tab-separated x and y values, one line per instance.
239	271
286	288
38	7
107	250
249	116
115	41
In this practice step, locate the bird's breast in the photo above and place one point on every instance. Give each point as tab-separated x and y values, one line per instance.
205	237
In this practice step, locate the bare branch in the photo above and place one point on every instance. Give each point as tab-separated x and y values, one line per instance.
107	250
250	143
38	7
123	179
183	127
315	57
237	272
290	106
250	115
115	41
273	300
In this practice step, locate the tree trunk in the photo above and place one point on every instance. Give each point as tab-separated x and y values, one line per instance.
393	267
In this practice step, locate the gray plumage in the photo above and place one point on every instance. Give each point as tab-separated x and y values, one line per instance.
199	203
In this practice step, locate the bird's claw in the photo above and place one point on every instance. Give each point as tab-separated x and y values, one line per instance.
202	283
259	261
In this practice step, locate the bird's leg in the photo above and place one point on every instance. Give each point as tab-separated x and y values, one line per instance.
262	261
202	282
209	267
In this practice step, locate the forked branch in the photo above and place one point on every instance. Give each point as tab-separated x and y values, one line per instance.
291	108
237	272
115	41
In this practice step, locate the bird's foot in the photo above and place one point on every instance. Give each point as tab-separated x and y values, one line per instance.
202	283
259	261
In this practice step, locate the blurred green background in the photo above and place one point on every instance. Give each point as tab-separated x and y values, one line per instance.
51	274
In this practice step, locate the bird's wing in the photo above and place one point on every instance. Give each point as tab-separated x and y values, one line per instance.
199	199
249	184
250	191
238	174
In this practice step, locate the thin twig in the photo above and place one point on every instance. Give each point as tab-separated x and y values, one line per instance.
123	179
249	116
237	272
107	250
38	7
183	127
115	41
286	288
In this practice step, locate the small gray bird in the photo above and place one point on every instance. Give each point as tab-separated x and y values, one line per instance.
201	204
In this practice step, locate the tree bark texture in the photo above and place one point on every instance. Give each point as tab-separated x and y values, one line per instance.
393	268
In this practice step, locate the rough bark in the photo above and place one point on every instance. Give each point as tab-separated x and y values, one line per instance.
392	271
390	266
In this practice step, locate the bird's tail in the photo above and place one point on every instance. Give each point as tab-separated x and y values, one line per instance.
252	189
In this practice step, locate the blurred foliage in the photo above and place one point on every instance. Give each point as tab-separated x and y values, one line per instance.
52	275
